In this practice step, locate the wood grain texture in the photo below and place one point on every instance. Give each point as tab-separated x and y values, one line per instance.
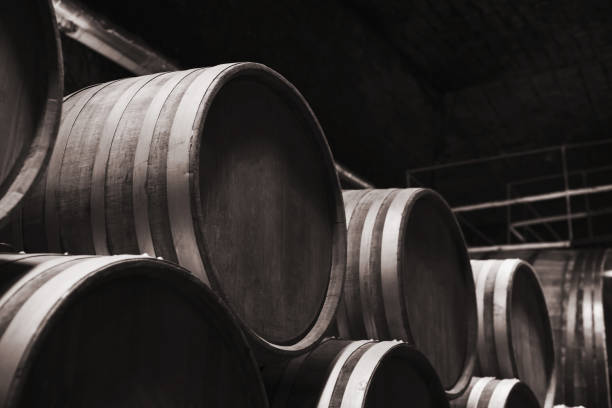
347	374
576	286
408	277
512	312
31	88
118	331
351	198
487	392
224	170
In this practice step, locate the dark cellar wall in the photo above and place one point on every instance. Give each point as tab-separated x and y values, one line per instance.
83	67
375	113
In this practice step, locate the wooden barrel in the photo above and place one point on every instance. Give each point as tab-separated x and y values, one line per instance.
31	88
576	288
120	331
356	374
409	277
224	170
514	334
487	392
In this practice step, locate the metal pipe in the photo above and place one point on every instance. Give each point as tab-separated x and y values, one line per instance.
347	175
102	36
509	217
518	247
568	200
587	206
535	234
537	214
517	234
534	198
543	220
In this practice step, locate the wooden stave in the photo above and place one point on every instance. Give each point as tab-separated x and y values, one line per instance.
338	373
492	272
557	269
370	279
351	295
360	204
351	199
163	238
490	392
23	176
60	280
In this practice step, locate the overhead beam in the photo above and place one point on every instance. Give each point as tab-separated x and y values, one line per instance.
551	219
111	41
519	247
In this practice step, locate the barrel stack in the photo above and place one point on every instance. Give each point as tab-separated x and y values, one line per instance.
200	168
223	170
514	334
576	287
409	277
31	91
225	173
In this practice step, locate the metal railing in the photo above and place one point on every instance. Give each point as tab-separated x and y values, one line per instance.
517	228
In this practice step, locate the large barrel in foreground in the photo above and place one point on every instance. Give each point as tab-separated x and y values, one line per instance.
409	277
224	170
31	91
487	392
578	297
120	331
514	334
359	374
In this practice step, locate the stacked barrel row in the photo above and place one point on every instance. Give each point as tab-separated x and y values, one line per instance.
225	173
409	277
200	167
167	164
515	338
576	285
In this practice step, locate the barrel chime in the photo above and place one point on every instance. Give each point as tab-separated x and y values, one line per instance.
251	279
